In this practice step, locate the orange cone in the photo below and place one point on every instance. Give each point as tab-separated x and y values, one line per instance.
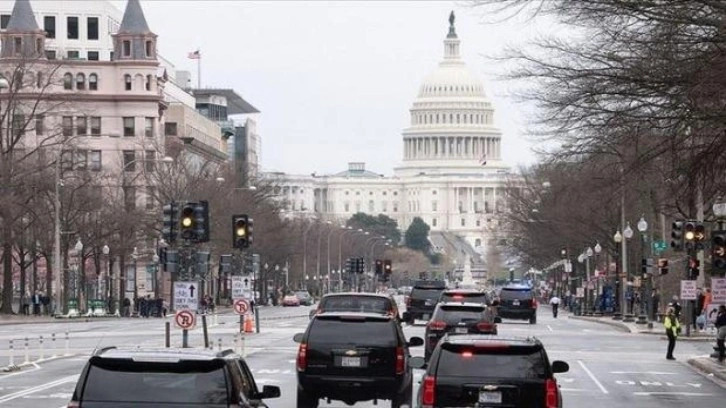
248	324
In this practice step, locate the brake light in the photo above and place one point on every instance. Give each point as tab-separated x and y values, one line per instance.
429	391
534	303
437	325
458	297
485	327
400	361
73	404
551	393
467	354
302	357
408	301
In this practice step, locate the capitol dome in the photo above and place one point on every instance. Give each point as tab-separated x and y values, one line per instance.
452	120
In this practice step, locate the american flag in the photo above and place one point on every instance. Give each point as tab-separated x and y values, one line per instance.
483	159
194	55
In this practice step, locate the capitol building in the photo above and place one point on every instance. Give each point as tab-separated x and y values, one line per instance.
451	174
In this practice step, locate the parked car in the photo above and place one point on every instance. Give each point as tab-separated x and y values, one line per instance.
517	302
354	357
305	298
458	318
291	300
358	302
488	371
422	301
168	377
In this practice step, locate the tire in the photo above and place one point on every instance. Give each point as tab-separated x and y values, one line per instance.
533	319
306	400
403	398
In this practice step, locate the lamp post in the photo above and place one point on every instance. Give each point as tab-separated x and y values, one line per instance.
79	254
627	234
134	256
109	279
598	249
619	297
305	249
644	278
588	295
154	282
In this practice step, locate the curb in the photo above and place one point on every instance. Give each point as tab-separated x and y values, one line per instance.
705	367
620	326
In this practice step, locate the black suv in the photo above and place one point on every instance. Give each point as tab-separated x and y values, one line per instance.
168	377
421	302
464	295
358	302
517	302
458	318
354	357
487	371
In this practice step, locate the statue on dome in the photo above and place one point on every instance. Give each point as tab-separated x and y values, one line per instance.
452	18
452	29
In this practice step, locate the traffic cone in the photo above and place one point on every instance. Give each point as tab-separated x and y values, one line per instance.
248	324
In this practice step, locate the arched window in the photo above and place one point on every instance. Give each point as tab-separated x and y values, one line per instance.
128	82
93	82
68	81
477	242
39	80
80	81
148	82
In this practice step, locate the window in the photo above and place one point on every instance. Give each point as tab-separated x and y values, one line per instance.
66	160
80	82
67	125
38	45
130	198
4	20
150	194
129	160
72	28
128	82
92	28
433	222
94	160
150	160
149	49
384	206
148	82
463	222
170	128
74	55
93	55
39	125
346	207
93	82
95	126
80	159
477	242
129	128
18	125
17	45
434	206
126	48
395	207
50	54
81	126
478	223
371	206
149	127
68	81
49	26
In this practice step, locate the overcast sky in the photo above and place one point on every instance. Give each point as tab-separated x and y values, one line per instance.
334	80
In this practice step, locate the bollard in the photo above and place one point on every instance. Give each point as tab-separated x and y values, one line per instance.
204	330
68	350
42	351
12	354
215	319
55	350
167	334
27	352
244	351
219	344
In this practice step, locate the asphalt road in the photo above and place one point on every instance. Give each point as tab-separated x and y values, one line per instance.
607	367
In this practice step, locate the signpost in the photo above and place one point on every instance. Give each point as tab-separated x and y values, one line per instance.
688	290
186	295
659	246
242	287
185	320
718	290
241	306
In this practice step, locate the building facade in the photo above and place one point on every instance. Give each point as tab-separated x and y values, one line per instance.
451	175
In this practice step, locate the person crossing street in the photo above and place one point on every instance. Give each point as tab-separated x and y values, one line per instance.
555	302
672	328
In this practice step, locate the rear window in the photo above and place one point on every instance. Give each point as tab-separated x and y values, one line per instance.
302	294
366	304
464	297
185	383
363	332
423	293
506	362
515	293
456	314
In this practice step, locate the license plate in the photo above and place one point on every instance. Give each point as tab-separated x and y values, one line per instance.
350	362
490	397
515	302
461	330
430	302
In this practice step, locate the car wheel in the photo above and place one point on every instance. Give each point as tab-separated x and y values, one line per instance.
403	398
533	320
305	400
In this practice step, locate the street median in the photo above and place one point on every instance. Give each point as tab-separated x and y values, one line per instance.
607	321
709	366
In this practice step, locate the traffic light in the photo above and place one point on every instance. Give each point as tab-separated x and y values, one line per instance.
700	236
359	265
201	263
241	236
643	266
663	266
379	267
201	221
718	250
677	236
563	253
187	221
170	225
689	235
349	265
387	267
693	268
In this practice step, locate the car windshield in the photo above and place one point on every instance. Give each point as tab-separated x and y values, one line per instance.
426	293
126	381
500	362
356	304
456	314
515	293
363	331
302	294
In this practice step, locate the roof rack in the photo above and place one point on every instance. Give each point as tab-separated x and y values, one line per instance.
98	352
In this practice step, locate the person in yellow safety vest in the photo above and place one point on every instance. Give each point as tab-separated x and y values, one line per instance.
672	328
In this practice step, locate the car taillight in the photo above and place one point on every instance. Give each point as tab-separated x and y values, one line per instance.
551	393
400	360
429	391
485	326
302	357
437	325
534	304
408	301
73	404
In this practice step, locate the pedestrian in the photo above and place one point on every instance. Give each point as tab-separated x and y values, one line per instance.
698	307
126	307
672	328
707	300
676	307
655	301
721	334
555	302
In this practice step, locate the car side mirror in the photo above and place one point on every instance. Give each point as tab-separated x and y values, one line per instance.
560	367
269	391
497	319
298	337
415	341
417	362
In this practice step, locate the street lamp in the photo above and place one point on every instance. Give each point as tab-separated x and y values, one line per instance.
627	234
619	299
109	279
154	282
598	249
79	253
135	256
644	291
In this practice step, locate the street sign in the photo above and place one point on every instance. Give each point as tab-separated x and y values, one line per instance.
659	246
185	319
718	290
688	290
186	295
580	293
242	287
568	267
241	306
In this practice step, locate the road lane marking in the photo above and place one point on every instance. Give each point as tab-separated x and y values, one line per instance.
37	388
36	367
592	377
549	327
685	394
642	372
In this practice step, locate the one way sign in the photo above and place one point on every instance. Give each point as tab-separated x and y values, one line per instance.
186	295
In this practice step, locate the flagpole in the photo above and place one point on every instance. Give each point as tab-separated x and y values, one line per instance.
199	70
